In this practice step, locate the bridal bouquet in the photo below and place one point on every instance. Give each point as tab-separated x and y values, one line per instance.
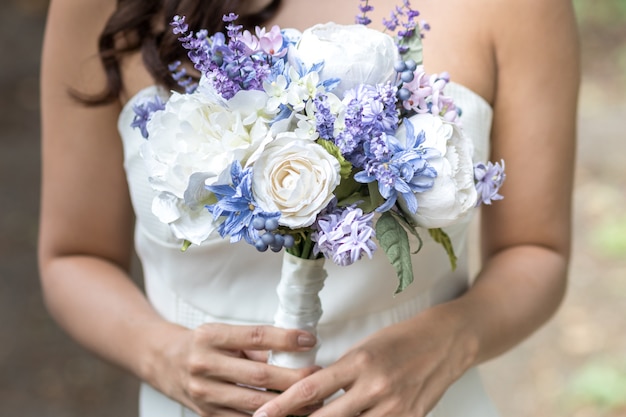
327	143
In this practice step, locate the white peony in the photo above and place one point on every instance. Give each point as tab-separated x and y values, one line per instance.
296	177
194	139
355	54
453	195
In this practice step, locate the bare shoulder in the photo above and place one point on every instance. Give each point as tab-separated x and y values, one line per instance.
71	42
533	26
82	173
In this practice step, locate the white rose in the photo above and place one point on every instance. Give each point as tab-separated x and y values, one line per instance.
190	142
355	54
453	194
296	177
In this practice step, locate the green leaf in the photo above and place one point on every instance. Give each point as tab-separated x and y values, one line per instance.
415	49
346	190
443	239
375	199
345	166
411	228
395	242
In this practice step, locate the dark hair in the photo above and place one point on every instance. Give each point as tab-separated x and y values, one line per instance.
144	25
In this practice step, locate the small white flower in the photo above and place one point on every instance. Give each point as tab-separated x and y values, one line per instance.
277	92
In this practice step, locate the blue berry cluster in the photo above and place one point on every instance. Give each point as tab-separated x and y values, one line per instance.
406	71
271	239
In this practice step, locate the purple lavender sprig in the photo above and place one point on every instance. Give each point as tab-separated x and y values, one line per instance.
197	45
228	62
182	78
403	21
364	8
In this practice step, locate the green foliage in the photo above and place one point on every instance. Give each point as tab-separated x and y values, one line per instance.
443	239
415	49
610	237
604	12
395	242
599	384
331	148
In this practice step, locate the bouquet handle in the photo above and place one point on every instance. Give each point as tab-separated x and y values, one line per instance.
299	306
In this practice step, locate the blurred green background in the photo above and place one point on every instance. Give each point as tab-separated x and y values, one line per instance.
575	366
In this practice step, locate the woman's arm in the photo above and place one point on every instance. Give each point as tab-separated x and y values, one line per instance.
404	369
86	242
526	237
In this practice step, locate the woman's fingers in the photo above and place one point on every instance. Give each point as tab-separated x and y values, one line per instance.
230	337
219	374
305	393
251	373
213	395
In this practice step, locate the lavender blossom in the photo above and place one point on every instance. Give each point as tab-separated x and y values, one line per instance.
403	21
231	65
489	178
143	113
182	78
344	235
364	8
370	112
324	118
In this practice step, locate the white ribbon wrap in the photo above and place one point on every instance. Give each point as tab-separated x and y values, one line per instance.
299	306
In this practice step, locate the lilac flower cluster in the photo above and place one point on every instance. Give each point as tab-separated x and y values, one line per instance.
344	235
489	178
425	94
371	112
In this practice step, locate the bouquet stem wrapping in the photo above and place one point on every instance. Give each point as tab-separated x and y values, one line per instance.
299	306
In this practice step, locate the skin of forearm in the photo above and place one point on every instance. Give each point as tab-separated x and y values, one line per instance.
516	292
101	308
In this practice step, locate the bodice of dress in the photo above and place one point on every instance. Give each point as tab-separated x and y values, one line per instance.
234	283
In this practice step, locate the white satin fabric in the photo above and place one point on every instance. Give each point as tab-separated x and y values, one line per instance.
234	283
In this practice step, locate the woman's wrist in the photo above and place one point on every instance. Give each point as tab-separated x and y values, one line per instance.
159	351
455	322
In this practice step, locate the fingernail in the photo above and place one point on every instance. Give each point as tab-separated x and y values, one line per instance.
260	414
304	340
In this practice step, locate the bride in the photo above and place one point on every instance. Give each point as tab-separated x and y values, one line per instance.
199	334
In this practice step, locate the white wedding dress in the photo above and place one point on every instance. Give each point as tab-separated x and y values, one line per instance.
233	283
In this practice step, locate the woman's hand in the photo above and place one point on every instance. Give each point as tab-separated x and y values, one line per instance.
399	371
213	368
